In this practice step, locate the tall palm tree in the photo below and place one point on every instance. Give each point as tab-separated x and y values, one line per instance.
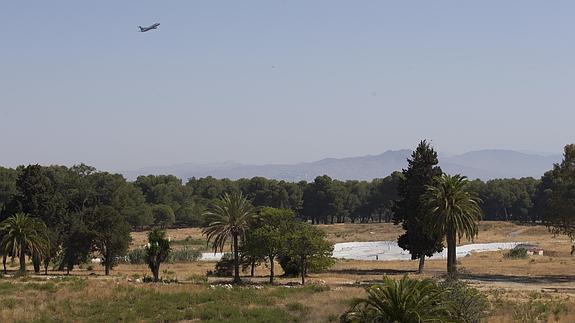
405	300
454	213
23	235
229	217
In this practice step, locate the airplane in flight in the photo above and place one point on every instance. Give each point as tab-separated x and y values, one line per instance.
144	29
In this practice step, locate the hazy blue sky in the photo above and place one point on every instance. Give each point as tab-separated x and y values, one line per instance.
280	81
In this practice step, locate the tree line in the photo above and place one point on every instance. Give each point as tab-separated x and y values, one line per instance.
85	211
165	201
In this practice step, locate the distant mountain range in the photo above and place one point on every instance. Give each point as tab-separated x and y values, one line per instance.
483	164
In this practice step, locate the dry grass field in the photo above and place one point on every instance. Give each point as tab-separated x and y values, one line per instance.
539	288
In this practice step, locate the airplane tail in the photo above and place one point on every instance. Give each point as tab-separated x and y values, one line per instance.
141	29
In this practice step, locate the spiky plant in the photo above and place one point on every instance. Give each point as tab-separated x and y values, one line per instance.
406	300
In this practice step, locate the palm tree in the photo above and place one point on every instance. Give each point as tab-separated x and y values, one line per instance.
454	213
405	300
23	235
229	217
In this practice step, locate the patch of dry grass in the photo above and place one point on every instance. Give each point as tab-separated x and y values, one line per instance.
510	283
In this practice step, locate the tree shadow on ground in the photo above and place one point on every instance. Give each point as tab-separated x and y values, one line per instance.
497	278
371	271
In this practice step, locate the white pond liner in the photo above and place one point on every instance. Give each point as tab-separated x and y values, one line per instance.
389	250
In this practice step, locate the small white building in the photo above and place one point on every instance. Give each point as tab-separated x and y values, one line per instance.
535	251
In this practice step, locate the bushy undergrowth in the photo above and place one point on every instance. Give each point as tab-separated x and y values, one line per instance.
183	255
517	253
224	267
466	304
412	300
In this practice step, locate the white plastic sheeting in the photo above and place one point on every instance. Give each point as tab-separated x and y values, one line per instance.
389	250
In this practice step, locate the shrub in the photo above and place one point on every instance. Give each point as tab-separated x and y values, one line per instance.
289	266
412	300
466	304
539	310
405	300
136	256
517	253
224	267
184	255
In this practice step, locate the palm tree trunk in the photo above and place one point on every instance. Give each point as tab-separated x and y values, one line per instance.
22	260
236	260
4	258
37	262
46	264
451	254
421	264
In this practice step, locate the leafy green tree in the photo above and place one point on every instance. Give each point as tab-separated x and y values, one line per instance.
405	300
208	189
556	196
77	243
229	217
42	194
191	214
323	200
23	235
383	193
167	190
8	189
137	212
307	246
454	213
163	215
267	239
157	251
111	235
410	210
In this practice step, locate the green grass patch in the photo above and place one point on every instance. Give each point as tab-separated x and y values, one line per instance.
217	304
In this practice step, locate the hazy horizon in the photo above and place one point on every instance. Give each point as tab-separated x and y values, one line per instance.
268	82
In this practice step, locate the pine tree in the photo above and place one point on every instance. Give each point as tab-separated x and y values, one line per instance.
410	211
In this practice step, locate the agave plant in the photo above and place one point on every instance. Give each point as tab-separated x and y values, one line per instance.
406	300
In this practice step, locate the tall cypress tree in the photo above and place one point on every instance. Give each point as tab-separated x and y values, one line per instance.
410	210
